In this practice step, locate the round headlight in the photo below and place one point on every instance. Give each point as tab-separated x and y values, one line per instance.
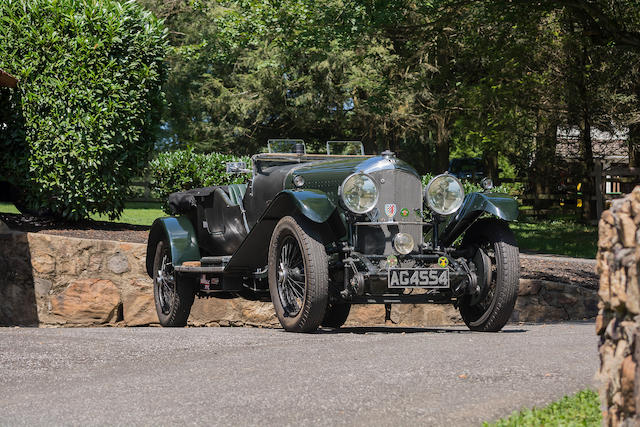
359	193
403	243
444	194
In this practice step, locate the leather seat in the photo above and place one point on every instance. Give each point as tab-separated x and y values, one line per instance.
236	193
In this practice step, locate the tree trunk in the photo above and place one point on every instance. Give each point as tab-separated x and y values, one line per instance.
442	145
545	151
490	160
634	145
587	158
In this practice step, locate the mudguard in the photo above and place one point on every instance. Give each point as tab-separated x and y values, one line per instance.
313	204
182	239
474	205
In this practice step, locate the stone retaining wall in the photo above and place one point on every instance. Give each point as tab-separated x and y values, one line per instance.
618	321
51	280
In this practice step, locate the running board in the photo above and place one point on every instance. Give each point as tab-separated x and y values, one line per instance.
215	259
199	270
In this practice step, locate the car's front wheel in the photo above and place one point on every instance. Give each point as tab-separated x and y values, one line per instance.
497	265
298	275
173	296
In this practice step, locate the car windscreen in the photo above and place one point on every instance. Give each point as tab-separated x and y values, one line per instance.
345	148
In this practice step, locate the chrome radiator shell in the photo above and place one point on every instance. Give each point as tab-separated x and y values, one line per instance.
404	190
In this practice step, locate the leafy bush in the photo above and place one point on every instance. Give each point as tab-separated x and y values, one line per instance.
84	117
185	169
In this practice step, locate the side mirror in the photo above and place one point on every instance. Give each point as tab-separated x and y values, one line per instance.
237	167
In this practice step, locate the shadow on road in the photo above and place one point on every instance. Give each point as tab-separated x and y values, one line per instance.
404	330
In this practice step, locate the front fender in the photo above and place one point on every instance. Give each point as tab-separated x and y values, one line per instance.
500	205
313	204
179	232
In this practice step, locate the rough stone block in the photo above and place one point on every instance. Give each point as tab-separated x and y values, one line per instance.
138	305
627	231
43	263
529	287
424	315
118	263
87	302
366	315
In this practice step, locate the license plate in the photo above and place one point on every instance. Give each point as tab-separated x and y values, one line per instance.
418	278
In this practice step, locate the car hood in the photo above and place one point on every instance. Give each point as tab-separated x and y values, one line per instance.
339	169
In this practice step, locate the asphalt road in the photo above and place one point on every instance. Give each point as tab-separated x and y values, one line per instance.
242	376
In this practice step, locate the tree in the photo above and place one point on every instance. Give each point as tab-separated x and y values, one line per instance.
85	116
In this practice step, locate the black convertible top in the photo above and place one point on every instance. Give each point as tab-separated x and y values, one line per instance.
184	202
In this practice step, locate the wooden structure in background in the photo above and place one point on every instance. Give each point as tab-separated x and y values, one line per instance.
613	183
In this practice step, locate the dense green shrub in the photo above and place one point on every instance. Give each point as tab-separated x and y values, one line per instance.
84	118
185	169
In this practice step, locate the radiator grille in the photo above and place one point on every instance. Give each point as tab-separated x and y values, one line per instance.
405	191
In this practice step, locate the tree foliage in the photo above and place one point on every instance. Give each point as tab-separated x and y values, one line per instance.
87	110
421	78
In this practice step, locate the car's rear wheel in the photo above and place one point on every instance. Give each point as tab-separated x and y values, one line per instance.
298	275
336	315
497	263
173	295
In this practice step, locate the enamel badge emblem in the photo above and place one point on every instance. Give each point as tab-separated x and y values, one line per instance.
390	209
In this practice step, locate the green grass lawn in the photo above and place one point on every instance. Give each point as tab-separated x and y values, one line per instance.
138	213
560	237
581	409
8	208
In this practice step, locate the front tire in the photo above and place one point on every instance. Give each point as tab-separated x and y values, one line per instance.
173	297
336	315
497	255
298	275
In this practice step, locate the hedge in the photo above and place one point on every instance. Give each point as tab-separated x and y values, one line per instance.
185	169
86	113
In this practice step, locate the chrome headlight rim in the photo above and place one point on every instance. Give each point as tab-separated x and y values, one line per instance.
346	204
400	247
429	201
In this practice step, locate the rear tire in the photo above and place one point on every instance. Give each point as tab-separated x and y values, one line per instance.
173	295
298	275
492	309
336	315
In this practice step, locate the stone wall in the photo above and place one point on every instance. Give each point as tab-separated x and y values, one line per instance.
51	280
618	321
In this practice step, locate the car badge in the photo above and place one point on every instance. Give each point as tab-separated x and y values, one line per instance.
392	261
390	209
443	261
404	212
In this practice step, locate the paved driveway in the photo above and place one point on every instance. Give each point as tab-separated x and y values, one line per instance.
240	376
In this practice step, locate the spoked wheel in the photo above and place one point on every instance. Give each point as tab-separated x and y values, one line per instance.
298	276
173	298
291	277
497	265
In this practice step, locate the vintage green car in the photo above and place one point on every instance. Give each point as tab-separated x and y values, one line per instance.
316	233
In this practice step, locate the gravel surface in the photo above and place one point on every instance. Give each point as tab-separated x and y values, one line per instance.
243	376
577	271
